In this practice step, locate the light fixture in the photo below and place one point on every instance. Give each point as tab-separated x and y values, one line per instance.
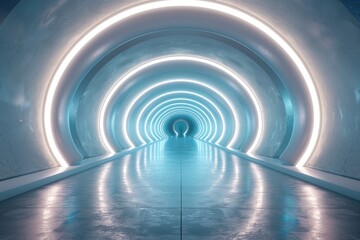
181	120
137	97
231	73
160	120
216	7
183	101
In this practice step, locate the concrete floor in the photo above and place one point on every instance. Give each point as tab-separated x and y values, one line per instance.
180	188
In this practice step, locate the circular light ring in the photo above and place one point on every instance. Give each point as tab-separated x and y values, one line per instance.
151	113
202	60
153	110
166	102
217	7
186	123
168	117
219	113
179	103
212	104
201	120
196	32
166	94
223	96
173	112
161	114
160	129
200	134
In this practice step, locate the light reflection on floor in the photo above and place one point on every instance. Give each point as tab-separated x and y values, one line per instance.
177	188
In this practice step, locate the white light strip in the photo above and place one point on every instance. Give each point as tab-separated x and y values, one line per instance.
207	100
214	64
187	126
204	127
160	120
217	7
137	97
175	131
171	112
179	100
156	114
163	120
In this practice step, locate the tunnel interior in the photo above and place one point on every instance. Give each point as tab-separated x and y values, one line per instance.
119	89
175	101
125	77
120	79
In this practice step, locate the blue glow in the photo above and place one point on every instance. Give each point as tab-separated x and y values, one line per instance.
211	123
161	120
205	124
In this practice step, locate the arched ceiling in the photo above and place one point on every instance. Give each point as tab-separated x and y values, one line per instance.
152	73
236	74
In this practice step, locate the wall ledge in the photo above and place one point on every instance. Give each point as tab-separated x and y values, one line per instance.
15	186
339	184
345	186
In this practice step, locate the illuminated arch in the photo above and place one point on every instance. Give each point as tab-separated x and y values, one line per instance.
236	13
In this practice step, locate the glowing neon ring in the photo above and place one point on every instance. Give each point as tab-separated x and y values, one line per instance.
236	13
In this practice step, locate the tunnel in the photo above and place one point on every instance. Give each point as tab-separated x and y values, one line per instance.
180	119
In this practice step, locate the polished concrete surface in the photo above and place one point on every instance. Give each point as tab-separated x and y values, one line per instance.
180	188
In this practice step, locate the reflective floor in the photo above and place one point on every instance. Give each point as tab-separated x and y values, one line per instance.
180	189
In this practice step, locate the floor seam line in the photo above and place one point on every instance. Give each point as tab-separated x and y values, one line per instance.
181	207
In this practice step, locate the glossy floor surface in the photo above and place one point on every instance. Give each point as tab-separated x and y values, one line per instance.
180	189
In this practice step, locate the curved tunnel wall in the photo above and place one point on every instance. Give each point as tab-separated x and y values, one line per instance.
34	45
